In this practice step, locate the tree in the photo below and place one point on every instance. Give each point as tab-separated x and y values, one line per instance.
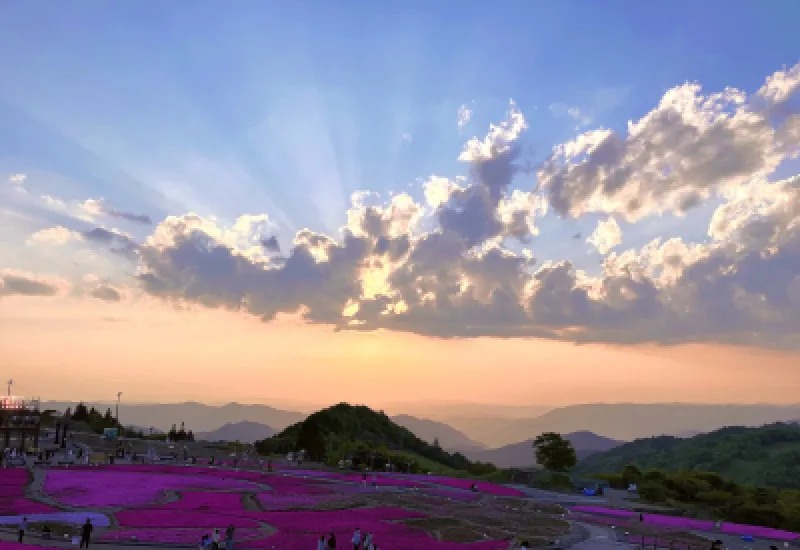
81	413
554	452
436	442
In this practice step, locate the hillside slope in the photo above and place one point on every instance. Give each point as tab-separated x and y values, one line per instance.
326	430
768	456
430	430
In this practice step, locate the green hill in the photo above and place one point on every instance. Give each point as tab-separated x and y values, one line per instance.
767	456
366	437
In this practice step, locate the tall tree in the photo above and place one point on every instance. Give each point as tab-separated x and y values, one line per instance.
81	413
554	452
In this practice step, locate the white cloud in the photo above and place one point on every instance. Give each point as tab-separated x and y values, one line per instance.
606	236
464	115
58	235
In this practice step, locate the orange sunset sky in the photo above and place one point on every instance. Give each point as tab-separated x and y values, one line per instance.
63	349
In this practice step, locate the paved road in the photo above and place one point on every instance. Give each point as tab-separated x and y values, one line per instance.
600	538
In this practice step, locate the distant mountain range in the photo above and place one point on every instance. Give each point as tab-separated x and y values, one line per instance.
197	416
521	455
473	432
449	438
621	421
245	432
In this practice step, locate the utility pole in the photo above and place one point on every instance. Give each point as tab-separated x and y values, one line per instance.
10	382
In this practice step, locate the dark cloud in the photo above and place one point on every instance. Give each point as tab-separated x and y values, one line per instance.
25	285
270	244
106	293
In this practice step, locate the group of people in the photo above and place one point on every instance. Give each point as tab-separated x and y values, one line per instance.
360	542
214	541
86	531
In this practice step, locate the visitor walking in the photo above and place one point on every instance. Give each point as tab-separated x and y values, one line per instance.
23	526
332	541
229	537
322	544
357	539
364	480
368	542
374	481
215	540
86	533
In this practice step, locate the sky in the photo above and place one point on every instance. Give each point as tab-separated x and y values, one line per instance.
532	203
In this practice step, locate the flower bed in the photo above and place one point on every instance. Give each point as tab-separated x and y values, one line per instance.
161	518
19	505
92	488
205	500
301	530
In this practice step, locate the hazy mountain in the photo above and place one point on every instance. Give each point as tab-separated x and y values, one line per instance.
442	412
245	431
428	430
197	416
521	455
625	422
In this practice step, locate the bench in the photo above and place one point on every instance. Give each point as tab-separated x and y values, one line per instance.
41	463
65	463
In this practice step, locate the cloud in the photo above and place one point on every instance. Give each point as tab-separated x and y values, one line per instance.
575	113
13	282
459	264
692	145
606	236
18	182
97	207
58	235
464	115
106	293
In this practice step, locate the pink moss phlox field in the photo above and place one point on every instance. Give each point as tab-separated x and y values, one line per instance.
271	501
759	532
92	488
160	518
16	506
198	500
174	536
300	530
466	484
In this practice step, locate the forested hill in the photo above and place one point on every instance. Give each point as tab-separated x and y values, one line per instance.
766	456
325	433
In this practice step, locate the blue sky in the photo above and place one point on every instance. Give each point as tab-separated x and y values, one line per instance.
248	107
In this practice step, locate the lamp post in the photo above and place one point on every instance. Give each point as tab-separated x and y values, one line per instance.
119	396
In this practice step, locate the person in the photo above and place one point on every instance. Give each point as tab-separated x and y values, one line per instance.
229	537
86	533
364	480
357	539
215	540
206	540
368	542
332	541
322	544
23	525
523	545
374	480
641	518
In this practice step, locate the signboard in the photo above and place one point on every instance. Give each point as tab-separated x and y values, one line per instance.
109	433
